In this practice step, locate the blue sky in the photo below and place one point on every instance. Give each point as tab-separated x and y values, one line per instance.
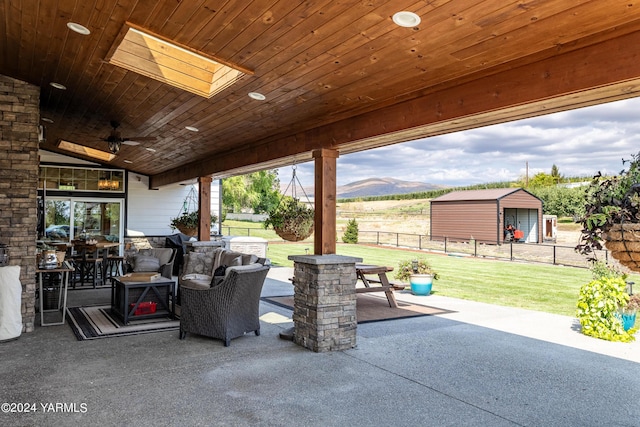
580	142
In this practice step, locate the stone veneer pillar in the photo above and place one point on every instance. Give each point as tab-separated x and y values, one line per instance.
19	162
324	312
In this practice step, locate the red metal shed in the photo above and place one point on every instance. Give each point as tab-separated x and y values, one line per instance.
483	215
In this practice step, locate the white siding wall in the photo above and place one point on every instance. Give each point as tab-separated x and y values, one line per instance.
149	211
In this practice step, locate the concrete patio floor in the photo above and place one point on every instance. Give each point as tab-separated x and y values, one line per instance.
481	365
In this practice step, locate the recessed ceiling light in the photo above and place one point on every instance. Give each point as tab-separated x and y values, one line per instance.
46	119
127	161
58	86
257	96
406	19
153	150
192	128
80	29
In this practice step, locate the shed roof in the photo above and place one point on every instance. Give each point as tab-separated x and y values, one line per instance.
469	195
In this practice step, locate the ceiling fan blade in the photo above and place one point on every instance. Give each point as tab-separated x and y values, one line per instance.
141	138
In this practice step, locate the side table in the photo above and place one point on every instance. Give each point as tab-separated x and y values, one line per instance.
63	271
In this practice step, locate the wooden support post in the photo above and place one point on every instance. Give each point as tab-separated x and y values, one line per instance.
204	208
325	202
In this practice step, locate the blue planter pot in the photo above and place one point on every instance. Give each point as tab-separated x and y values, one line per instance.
421	284
628	320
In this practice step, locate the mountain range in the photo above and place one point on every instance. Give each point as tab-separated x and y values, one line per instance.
382	187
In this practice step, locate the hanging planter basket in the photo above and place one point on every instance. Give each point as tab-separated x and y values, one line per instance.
623	240
187	221
292	219
189	231
293	236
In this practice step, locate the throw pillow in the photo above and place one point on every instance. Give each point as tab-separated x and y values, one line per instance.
197	262
146	263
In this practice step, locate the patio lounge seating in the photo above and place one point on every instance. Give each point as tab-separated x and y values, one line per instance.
154	259
227	309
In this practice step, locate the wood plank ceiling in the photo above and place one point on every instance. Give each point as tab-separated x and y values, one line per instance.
337	75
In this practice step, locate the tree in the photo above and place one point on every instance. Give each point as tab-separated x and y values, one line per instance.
257	191
555	173
351	232
265	184
561	201
541	179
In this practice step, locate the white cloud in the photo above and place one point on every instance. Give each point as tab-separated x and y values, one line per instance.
579	142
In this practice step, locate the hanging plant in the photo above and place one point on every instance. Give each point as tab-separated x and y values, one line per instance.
612	215
187	223
292	219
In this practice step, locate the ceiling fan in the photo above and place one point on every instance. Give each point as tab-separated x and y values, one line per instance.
115	140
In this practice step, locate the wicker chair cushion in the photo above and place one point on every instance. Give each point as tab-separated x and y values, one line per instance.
145	263
196	281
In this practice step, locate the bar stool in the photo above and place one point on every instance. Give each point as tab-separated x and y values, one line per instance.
87	266
114	267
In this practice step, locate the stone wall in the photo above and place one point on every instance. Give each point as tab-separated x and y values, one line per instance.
19	120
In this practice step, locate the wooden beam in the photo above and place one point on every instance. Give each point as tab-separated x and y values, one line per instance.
204	208
595	74
324	242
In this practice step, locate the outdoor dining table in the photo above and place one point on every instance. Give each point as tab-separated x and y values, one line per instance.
362	270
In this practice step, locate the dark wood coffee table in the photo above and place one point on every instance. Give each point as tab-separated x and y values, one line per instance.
127	295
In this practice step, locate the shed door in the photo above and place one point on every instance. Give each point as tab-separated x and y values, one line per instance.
525	220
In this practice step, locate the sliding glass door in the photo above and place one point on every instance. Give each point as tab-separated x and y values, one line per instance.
67	219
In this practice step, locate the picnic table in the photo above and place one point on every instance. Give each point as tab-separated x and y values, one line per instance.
363	270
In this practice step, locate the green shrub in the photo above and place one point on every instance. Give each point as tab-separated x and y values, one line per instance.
351	232
599	303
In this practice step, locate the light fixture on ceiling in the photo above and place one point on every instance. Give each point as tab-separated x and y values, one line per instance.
192	128
127	161
153	150
80	29
58	86
406	19
46	119
257	96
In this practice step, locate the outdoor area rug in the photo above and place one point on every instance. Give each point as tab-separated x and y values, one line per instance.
90	323
373	308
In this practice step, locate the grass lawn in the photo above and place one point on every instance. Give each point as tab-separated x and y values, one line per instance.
541	287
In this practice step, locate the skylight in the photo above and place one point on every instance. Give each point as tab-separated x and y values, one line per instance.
152	56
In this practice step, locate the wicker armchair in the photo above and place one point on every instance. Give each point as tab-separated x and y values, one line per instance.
227	310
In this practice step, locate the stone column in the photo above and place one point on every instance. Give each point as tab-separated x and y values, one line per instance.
324	312
19	118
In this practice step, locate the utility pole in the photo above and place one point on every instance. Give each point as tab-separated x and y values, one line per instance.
526	181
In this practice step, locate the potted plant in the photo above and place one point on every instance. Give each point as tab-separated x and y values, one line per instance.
188	222
292	219
612	215
419	273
